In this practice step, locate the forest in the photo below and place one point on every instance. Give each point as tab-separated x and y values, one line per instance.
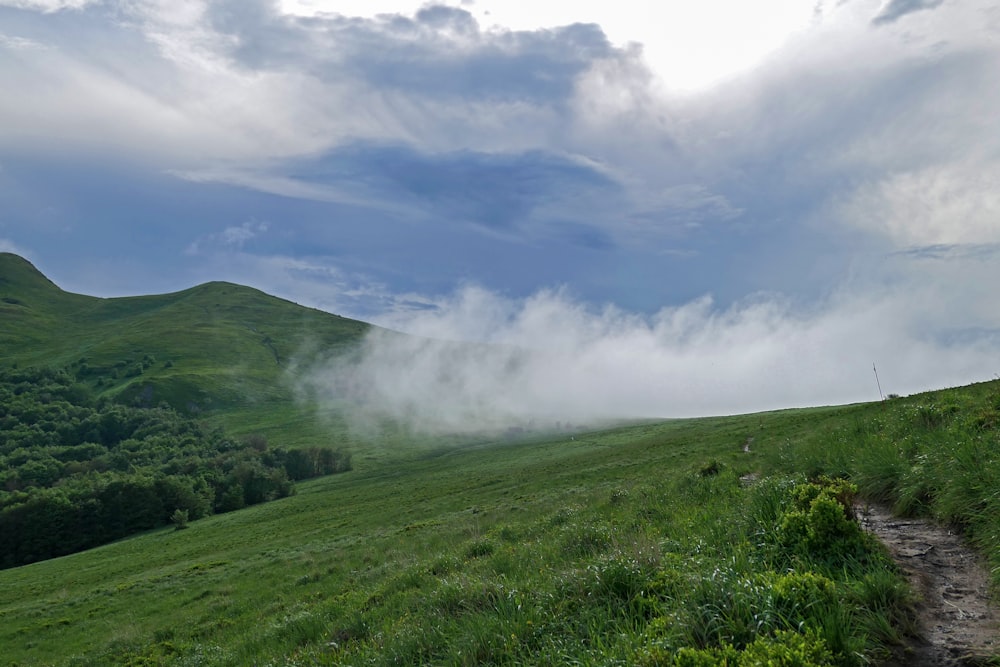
78	471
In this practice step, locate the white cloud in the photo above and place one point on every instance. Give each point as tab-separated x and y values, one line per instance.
342	192
236	237
15	43
231	238
186	91
550	359
47	6
234	98
946	204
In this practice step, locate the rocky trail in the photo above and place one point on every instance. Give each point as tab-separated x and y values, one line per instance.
956	618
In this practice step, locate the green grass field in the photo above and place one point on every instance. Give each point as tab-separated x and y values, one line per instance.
334	555
655	543
615	546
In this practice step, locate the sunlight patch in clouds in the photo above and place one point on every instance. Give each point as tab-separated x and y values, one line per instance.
690	46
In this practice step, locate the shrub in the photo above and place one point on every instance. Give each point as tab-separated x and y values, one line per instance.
787	649
804	589
180	519
820	527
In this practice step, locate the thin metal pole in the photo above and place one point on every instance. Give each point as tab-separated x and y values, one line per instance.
877	383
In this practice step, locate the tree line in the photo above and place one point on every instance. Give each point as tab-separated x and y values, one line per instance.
77	471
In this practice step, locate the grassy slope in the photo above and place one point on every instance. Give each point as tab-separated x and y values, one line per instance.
218	347
416	560
345	536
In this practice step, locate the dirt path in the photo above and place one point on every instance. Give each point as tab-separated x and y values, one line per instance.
958	623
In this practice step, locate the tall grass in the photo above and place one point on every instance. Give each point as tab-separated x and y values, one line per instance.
933	455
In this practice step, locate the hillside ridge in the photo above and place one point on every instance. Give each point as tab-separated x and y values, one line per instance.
14	266
18	273
216	347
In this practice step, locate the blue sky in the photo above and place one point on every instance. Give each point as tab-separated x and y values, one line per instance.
765	198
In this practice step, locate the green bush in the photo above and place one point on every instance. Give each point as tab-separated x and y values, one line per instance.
820	527
785	648
180	519
798	595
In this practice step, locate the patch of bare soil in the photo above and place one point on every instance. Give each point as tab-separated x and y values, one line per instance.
956	618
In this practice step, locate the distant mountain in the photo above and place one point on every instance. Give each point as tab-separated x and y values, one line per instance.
214	347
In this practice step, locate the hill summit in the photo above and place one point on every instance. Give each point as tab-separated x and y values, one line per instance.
18	274
214	348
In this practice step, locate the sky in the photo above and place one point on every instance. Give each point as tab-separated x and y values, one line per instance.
666	209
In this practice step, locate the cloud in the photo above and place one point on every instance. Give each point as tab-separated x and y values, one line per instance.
278	183
893	10
207	86
7	245
691	205
519	195
948	251
47	6
550	358
432	116
497	191
230	238
947	204
19	43
439	52
238	236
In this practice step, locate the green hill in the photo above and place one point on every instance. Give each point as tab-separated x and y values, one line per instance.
218	348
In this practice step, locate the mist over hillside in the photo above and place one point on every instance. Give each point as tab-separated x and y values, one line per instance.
480	360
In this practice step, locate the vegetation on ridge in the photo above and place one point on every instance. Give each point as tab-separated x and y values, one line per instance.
214	350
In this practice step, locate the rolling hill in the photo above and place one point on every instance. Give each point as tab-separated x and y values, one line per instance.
218	349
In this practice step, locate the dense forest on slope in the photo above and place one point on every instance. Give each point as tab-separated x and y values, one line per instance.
77	471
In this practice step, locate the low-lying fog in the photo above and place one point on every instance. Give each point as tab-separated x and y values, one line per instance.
480	361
